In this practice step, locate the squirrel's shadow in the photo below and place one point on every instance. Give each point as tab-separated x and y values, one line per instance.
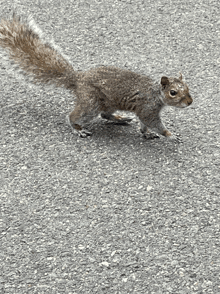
48	116
52	119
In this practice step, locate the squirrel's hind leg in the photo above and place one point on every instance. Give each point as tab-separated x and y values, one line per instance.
115	118
79	118
78	129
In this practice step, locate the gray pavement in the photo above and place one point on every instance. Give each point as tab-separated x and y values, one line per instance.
113	213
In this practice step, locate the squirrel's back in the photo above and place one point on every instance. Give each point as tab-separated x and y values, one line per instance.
37	58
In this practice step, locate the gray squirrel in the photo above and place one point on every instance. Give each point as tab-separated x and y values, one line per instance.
101	90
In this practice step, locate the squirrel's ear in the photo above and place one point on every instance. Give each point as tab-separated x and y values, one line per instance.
180	76
164	81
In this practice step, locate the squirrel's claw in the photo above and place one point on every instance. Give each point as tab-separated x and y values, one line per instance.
150	136
84	133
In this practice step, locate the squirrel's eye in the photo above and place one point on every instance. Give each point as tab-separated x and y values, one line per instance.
173	93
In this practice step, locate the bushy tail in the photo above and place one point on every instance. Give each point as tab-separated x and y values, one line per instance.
38	58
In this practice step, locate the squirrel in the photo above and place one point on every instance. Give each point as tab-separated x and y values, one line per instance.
101	90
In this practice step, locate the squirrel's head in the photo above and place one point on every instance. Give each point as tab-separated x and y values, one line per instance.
176	92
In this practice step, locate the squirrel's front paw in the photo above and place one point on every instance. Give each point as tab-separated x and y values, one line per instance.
150	136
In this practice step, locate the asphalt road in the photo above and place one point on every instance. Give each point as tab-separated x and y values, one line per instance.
113	213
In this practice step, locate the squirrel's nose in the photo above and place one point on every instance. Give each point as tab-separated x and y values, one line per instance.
189	99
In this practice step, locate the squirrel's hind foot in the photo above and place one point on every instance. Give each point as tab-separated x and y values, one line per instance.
77	129
116	118
83	133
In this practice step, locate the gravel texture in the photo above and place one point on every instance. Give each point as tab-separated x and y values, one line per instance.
113	213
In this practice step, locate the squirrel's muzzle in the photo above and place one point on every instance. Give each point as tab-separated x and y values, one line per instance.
187	100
